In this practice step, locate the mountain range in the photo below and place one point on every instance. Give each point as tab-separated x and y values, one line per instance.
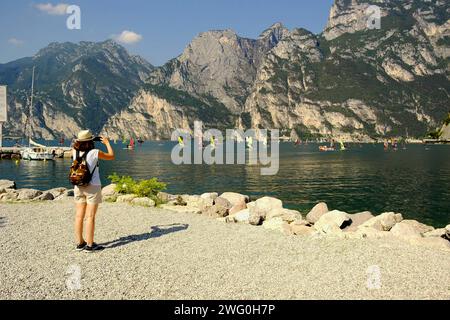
349	82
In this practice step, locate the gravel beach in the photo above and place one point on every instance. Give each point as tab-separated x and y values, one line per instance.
157	254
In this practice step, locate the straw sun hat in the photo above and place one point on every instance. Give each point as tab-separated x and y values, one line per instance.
84	135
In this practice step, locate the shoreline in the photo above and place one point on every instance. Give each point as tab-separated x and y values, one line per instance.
265	212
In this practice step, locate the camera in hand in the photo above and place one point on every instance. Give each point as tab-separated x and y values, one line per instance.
97	139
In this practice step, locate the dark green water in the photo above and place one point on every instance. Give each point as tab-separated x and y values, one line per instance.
415	181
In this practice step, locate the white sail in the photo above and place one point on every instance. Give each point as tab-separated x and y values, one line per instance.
36	144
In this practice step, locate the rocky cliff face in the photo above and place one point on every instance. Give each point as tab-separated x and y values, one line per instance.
349	82
353	82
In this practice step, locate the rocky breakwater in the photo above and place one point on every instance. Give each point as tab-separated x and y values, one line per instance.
320	222
265	212
9	193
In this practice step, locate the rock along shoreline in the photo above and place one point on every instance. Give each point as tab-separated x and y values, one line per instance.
265	212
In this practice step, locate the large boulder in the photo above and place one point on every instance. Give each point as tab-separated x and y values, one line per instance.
7	184
286	214
220	209
358	219
242	216
410	229
67	195
318	211
235	198
383	222
11	195
109	190
192	200
166	197
56	192
238	201
332	222
261	207
209	196
127	198
143	202
28	194
405	230
46	196
277	224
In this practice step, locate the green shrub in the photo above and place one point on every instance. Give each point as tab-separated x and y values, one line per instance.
142	188
124	184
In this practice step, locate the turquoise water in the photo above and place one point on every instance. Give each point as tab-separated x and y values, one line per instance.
414	182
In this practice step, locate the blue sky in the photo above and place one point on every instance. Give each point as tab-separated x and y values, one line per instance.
158	29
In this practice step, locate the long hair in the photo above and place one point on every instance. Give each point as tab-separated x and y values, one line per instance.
84	146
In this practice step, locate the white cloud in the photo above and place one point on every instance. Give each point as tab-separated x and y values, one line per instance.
127	37
54	10
15	42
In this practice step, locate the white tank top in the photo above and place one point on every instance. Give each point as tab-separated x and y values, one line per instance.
92	161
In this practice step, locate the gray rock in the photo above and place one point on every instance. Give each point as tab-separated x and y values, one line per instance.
7	184
277	224
166	197
109	190
46	196
384	222
143	202
242	216
69	193
332	222
56	192
358	219
9	196
263	206
318	211
235	198
28	194
222	202
405	230
209	196
126	198
286	214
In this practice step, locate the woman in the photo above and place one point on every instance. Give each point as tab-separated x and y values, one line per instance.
89	197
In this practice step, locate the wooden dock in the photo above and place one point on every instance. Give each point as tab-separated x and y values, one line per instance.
13	153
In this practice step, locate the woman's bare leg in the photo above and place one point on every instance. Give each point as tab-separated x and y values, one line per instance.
91	211
79	218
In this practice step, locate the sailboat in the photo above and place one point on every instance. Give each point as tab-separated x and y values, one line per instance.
295	139
35	151
131	145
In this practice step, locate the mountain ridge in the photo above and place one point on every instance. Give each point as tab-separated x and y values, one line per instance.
346	82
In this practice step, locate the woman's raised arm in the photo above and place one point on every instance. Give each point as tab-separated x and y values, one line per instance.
110	154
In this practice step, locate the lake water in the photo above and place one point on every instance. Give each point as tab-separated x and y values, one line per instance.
414	182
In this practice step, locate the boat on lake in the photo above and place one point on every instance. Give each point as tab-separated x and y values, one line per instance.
35	151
